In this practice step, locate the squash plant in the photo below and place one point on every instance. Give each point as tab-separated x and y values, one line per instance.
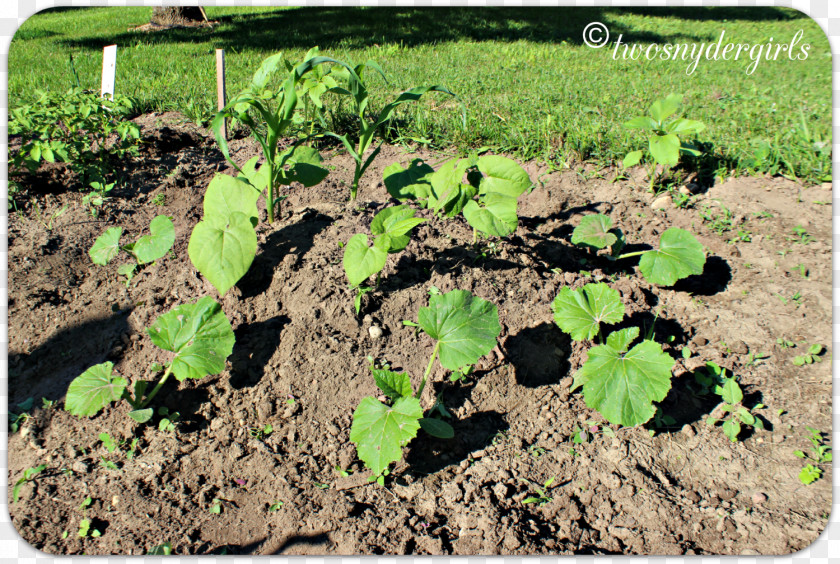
679	254
145	250
622	383
484	189
464	328
390	229
200	336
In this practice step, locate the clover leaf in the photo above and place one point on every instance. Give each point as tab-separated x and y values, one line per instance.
465	326
623	384
581	312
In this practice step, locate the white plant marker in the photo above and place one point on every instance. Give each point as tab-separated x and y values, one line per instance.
220	86
109	70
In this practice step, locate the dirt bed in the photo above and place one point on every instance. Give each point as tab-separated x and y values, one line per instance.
300	365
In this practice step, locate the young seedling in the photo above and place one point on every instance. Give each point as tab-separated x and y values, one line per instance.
357	90
28	476
679	254
168	419
542	497
147	249
164	549
276	506
488	198
200	336
85	524
465	328
664	144
622	383
261	433
822	455
390	229
734	412
812	356
17	419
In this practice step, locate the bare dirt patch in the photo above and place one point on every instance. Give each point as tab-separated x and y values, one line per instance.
299	364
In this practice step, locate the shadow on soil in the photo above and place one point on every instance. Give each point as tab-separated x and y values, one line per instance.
539	355
717	274
255	344
353	28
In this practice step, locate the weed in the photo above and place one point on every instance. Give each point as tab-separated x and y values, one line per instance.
542	497
734	412
812	356
800	236
276	506
28	476
821	455
261	433
159	200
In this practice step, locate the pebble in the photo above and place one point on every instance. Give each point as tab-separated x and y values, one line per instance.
81	467
688	430
758	498
375	332
367	320
739	347
662	202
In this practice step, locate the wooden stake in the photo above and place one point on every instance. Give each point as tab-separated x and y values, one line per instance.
109	70
220	85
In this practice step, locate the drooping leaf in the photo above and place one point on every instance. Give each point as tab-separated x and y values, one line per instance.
223	251
302	164
200	336
395	222
465	326
226	195
665	149
640	122
408	183
503	176
581	312
622	385
664	108
149	248
437	428
106	246
380	431
360	261
495	215
679	255
449	194
684	126
594	231
395	385
95	388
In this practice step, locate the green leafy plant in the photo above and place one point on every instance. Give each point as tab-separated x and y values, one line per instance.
147	249
200	336
168	419
734	413
276	506
812	356
821	455
679	254
28	476
664	143
261	433
357	91
542	497
390	229
85	524
622	383
488	199
17	419
465	328
164	549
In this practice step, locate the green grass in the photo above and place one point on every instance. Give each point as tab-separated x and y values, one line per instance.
530	86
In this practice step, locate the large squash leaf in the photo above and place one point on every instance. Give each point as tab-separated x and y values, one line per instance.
380	431
679	255
623	384
223	250
581	312
95	388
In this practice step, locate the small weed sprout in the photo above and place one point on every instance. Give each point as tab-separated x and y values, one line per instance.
28	476
733	412
542	497
821	455
813	355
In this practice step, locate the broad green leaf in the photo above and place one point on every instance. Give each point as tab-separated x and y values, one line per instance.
731	392
437	428
93	390
623	384
408	183
679	255
449	194
495	215
503	176
142	415
581	312
665	149
302	164
662	109
223	251
149	248
466	327
594	231
200	336
746	417
395	222
379	431
632	159
226	195
268	67
360	261
640	122
106	246
395	385
731	428
684	126
809	474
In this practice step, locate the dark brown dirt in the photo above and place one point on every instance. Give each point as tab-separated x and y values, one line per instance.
300	365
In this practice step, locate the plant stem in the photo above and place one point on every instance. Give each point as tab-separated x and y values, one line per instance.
269	193
428	371
628	255
156	389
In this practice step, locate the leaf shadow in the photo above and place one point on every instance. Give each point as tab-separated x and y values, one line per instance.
717	274
255	345
539	355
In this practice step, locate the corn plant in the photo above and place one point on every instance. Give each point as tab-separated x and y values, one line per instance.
357	90
679	254
664	144
622	383
200	336
464	328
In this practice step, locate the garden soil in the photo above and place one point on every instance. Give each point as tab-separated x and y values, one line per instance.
300	365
